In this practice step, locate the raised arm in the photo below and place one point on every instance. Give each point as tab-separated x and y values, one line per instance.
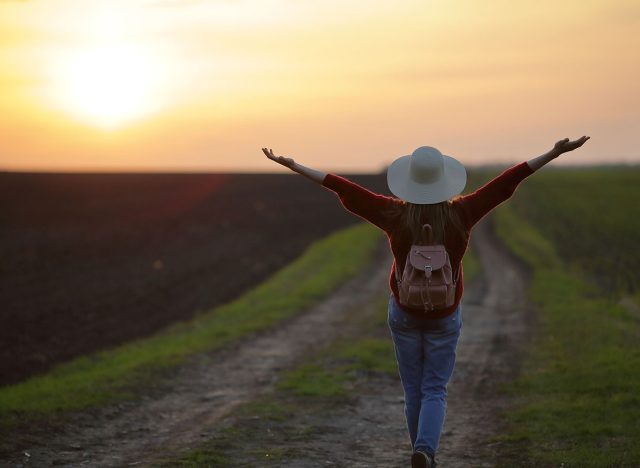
477	204
364	203
562	146
316	176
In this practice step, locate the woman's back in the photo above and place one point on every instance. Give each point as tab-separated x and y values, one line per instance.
401	220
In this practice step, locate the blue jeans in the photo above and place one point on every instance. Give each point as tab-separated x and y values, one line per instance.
426	353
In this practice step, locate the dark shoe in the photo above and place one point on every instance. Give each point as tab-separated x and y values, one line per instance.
422	460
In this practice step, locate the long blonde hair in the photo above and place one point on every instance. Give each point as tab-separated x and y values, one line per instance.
411	217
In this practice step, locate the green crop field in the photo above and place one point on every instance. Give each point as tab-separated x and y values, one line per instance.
579	391
592	217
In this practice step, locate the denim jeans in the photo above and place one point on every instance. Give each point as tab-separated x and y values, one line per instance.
426	353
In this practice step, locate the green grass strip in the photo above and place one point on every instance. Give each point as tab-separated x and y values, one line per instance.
338	366
108	376
580	384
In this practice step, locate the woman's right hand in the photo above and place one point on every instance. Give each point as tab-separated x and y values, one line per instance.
562	146
287	162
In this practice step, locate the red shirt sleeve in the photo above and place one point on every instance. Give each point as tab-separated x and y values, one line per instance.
362	202
477	204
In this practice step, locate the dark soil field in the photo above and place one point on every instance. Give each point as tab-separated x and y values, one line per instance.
88	261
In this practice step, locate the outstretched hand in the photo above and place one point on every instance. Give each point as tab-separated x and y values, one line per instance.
313	174
566	145
287	162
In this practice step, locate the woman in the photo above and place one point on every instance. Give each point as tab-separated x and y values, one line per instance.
426	185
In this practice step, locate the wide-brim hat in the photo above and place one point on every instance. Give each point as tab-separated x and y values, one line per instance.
426	176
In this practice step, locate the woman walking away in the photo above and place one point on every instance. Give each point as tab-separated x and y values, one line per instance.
426	209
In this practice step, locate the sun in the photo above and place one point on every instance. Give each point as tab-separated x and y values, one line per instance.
107	85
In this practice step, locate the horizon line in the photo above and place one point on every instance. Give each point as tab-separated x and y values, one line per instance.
143	170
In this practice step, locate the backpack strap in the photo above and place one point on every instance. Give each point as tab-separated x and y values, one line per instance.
430	307
429	230
457	276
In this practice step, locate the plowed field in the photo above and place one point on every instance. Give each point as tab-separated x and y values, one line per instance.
88	261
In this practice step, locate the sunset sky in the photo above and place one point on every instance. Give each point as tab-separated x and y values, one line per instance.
344	86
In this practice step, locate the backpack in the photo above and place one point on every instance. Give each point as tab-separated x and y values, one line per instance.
427	280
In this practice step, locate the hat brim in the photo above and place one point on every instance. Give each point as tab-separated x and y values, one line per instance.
450	184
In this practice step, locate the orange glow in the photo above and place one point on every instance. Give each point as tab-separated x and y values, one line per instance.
345	86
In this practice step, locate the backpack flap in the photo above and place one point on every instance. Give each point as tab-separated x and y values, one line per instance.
428	258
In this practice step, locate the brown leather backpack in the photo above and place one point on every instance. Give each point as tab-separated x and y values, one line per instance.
427	280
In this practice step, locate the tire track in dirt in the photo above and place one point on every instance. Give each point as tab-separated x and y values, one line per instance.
497	323
371	432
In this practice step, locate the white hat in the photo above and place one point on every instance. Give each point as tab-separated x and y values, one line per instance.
426	176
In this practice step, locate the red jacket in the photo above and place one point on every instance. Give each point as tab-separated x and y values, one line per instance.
472	207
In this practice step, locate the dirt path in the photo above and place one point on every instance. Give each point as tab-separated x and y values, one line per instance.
369	433
496	324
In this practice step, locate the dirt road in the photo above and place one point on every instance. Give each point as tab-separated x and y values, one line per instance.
370	432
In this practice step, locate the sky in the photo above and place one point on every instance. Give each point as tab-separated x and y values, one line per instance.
340	86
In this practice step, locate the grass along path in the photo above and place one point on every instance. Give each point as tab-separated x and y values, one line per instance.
579	391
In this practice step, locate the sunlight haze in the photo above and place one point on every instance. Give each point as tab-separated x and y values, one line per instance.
170	85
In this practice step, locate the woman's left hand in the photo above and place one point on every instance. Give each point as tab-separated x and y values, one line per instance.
564	146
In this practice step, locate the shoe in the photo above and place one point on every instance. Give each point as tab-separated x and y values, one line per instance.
422	460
